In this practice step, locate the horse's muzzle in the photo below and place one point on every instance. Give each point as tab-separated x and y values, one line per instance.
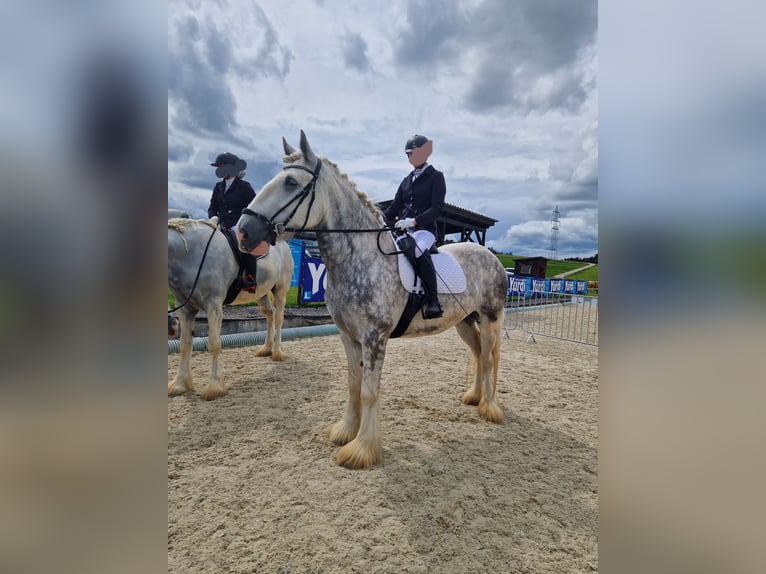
252	231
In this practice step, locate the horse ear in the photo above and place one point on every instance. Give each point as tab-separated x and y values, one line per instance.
288	148
308	155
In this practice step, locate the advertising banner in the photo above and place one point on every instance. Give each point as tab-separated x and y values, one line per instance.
313	280
296	250
530	286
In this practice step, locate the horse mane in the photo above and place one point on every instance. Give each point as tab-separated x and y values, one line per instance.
343	177
180	224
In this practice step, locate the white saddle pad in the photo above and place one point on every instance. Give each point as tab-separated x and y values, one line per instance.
449	275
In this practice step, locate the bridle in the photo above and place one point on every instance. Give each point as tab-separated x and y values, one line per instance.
310	188
280	228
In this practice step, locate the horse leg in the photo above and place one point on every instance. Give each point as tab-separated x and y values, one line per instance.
280	297
366	449
215	387
346	428
183	380
267	310
489	406
469	332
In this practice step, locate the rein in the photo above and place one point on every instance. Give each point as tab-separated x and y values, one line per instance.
280	228
194	286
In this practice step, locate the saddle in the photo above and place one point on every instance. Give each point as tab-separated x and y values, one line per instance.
449	275
248	267
450	278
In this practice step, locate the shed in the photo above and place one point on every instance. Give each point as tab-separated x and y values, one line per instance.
470	225
531	267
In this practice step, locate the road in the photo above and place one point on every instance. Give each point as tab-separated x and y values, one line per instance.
567	273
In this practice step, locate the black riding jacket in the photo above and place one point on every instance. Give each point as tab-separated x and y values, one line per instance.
422	199
228	206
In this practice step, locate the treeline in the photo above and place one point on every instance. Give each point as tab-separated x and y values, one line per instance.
592	259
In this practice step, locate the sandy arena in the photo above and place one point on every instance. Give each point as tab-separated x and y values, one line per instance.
253	486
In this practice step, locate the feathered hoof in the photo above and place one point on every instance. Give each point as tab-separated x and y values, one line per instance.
355	457
278	355
263	352
341	434
470	398
492	412
211	392
174	390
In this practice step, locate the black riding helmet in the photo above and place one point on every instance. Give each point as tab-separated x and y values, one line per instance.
415	142
228	164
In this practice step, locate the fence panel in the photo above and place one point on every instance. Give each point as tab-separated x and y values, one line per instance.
569	317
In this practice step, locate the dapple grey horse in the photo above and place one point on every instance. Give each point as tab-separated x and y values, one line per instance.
365	296
205	284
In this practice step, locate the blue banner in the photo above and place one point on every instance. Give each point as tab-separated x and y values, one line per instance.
518	284
296	250
529	286
313	280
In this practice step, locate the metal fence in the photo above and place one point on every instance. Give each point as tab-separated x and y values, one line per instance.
567	317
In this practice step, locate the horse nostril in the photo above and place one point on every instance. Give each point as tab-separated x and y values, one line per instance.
244	233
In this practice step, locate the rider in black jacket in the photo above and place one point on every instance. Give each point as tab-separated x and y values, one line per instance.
232	194
416	206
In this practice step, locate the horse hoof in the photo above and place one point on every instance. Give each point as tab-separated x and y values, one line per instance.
174	391
470	399
263	352
354	457
492	413
212	393
340	434
278	356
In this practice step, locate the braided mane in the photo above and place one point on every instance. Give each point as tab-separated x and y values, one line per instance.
343	177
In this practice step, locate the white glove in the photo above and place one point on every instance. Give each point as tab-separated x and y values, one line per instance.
405	223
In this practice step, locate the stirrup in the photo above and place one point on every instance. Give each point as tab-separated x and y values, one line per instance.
432	310
248	282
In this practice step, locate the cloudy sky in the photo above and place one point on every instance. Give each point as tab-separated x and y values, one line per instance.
506	89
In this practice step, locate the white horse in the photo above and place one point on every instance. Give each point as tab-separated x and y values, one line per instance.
364	294
201	268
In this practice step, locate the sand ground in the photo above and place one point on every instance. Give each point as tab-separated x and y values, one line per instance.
253	487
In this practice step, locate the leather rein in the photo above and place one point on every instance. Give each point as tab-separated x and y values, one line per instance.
310	188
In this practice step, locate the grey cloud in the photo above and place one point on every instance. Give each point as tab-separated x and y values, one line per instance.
202	55
529	53
178	151
198	90
354	50
432	33
271	58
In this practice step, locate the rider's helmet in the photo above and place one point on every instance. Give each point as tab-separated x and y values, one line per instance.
414	142
229	165
225	158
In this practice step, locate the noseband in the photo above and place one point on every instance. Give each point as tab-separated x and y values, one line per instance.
279	228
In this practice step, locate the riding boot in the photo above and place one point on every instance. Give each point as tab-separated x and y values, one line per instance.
427	274
250	264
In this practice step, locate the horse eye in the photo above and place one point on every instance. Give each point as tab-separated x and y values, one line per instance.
290	181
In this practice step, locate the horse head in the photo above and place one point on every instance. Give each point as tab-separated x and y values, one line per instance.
286	203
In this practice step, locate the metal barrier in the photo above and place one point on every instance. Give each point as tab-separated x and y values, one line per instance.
566	317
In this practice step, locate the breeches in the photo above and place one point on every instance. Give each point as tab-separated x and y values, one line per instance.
424	239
